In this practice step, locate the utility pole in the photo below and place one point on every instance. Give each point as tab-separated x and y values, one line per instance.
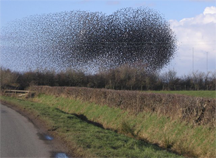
207	62
193	59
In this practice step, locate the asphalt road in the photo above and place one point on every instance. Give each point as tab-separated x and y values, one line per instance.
19	136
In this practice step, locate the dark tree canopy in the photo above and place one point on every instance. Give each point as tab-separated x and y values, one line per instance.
80	39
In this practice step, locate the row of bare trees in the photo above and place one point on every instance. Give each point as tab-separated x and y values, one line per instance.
194	81
121	78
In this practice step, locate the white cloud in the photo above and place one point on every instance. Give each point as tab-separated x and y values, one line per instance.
210	10
196	34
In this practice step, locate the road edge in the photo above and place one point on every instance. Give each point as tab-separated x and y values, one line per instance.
57	145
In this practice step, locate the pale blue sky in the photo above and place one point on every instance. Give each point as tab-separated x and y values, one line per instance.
171	9
193	21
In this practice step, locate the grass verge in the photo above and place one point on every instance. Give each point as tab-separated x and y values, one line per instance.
182	137
88	140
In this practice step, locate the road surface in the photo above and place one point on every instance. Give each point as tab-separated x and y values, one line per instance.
19	136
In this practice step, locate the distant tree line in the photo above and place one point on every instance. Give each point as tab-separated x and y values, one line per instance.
125	77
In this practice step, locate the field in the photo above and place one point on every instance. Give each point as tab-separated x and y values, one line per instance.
205	94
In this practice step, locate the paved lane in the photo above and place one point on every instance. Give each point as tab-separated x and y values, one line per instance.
19	136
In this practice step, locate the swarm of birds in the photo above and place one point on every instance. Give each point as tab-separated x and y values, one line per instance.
89	40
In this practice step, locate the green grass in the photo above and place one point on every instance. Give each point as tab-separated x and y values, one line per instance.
179	136
201	93
91	140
